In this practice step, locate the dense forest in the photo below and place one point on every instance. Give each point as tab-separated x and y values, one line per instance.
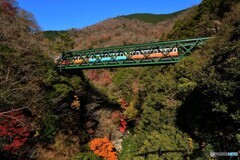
180	111
152	18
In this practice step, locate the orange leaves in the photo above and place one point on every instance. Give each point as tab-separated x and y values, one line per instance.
103	148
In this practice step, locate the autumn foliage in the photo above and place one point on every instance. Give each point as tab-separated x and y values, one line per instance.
123	103
100	77
13	130
119	118
8	8
103	148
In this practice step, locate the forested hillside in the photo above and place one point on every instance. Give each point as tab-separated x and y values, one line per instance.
180	111
124	31
152	18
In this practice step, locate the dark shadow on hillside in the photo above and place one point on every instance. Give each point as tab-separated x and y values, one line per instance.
91	101
70	120
91	94
9	156
194	115
196	118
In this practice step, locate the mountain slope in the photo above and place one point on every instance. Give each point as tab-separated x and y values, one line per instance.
122	31
152	18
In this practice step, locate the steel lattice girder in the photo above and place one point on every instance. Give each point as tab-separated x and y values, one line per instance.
185	47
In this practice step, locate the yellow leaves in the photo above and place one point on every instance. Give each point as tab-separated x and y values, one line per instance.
36	134
190	143
76	103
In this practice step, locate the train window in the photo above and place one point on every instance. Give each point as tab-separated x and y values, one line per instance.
137	53
121	54
133	53
155	51
175	50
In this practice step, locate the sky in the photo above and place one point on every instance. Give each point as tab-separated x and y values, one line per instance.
67	14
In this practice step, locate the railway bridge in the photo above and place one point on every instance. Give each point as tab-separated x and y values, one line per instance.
155	53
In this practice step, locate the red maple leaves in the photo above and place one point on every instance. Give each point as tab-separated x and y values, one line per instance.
14	130
123	125
120	119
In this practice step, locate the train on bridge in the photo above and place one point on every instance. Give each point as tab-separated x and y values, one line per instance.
153	53
121	56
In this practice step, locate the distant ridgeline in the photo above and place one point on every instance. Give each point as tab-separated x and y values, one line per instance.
152	18
145	17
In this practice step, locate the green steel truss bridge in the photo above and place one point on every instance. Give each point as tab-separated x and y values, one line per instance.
96	58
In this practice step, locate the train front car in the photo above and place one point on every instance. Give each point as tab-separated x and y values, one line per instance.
78	60
65	59
57	59
71	58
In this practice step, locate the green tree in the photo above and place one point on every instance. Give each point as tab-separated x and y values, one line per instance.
64	42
